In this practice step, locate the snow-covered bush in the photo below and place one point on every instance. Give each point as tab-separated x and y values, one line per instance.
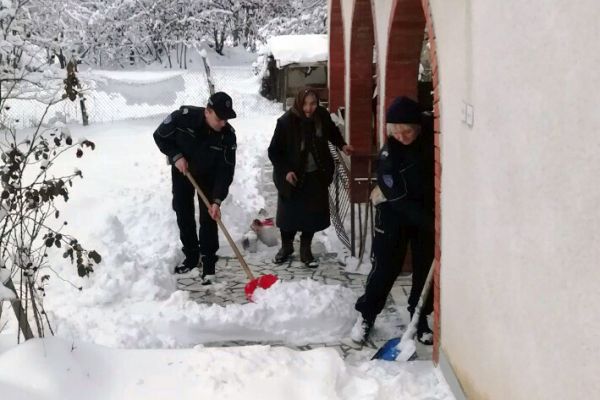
29	190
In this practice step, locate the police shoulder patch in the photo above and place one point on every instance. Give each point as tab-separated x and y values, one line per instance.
388	180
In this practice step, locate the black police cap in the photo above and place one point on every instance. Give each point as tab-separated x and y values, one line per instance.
222	104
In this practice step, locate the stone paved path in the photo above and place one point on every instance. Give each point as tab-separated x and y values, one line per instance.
230	290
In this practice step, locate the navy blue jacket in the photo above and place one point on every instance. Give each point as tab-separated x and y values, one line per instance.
210	154
405	177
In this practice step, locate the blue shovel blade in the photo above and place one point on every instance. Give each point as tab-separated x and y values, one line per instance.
389	351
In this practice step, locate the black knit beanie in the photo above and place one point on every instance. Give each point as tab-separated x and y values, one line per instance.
403	110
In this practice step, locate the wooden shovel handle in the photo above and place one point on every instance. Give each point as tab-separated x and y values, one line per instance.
220	223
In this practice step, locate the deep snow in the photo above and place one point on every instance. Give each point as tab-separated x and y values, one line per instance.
63	370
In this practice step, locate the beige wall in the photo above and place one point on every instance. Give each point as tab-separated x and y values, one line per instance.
520	281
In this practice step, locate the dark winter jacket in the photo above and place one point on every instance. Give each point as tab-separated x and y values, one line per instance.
294	137
405	176
210	154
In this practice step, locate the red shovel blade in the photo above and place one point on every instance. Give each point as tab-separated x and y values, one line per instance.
264	282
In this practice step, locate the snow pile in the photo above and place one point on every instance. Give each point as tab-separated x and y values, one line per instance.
56	369
133	77
289	312
290	49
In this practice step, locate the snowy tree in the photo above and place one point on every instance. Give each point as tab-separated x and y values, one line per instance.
293	17
125	32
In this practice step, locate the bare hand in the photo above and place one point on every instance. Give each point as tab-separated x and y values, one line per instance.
182	165
215	211
291	178
348	149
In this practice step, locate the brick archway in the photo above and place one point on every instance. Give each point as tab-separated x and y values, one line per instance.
336	57
405	41
360	118
408	20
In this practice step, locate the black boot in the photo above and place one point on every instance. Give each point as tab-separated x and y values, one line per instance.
284	253
306	255
188	265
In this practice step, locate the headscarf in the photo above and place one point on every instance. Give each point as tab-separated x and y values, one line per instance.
299	101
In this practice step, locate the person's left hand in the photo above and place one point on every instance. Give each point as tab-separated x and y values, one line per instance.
215	211
348	149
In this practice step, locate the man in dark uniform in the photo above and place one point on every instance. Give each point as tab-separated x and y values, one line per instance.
199	140
405	177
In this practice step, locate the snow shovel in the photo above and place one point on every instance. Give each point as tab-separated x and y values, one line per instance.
264	281
404	348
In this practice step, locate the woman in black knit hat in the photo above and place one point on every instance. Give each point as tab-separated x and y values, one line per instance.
302	170
405	217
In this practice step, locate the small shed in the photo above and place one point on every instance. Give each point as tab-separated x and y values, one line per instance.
293	62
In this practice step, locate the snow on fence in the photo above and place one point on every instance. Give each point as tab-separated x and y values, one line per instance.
121	95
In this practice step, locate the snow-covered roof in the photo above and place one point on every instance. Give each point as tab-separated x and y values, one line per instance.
290	49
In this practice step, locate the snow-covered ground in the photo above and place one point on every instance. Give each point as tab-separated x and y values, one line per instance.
62	370
122	209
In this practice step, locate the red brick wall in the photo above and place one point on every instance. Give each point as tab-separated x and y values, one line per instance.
405	40
336	57
438	178
360	120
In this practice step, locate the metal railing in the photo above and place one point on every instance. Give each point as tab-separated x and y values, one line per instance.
349	219
339	197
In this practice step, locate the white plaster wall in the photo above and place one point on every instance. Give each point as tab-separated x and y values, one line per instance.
520	281
383	11
347	8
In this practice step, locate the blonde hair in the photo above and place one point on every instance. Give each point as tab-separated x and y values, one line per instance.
393	128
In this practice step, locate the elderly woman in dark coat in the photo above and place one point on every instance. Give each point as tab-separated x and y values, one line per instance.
302	170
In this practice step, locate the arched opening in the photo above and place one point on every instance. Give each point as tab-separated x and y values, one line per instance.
361	87
405	41
336	57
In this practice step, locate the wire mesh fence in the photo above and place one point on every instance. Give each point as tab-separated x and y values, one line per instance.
121	95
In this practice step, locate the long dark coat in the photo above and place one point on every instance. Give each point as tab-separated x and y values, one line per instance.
304	207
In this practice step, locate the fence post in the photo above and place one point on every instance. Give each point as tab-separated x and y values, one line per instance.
73	89
352	228
211	85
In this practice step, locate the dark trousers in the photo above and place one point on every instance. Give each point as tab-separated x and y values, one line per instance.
288	236
391	238
206	241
